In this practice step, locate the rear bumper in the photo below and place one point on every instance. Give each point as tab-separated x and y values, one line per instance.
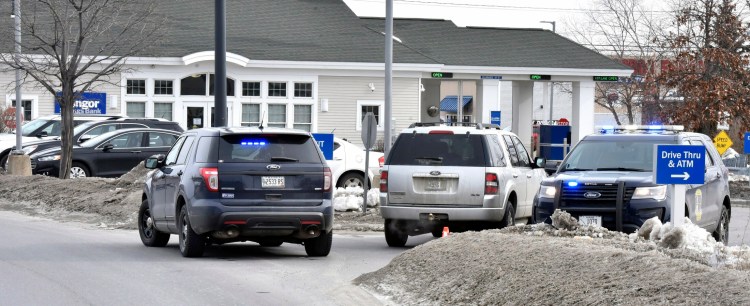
492	210
208	216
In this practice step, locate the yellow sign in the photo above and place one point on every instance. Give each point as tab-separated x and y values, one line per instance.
722	142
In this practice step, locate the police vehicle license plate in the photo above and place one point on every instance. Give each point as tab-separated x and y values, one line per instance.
435	184
272	182
590	220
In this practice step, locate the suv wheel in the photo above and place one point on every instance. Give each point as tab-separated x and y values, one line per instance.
149	235
319	246
510	216
191	244
352	180
394	236
721	234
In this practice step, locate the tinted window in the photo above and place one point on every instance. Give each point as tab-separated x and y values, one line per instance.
156	139
438	149
207	151
171	158
266	148
185	150
513	154
523	156
96	131
632	155
496	151
129	140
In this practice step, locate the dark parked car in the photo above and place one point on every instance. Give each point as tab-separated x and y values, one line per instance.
608	180
220	185
110	154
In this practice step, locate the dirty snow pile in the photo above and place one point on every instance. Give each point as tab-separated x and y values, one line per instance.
738	177
567	263
350	198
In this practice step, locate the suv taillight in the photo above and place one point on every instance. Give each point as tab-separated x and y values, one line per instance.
383	181
211	177
490	183
327	179
381	161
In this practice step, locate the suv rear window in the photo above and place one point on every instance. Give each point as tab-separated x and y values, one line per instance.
625	155
264	148
438	149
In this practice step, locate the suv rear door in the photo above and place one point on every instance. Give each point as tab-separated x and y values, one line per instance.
264	169
439	168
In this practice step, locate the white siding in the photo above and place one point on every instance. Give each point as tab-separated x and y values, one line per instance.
344	92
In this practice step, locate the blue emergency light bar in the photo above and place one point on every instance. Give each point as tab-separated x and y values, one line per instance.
253	142
652	129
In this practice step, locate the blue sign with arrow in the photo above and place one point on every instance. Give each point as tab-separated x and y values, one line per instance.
679	164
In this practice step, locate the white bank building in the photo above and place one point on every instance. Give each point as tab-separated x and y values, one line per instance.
321	69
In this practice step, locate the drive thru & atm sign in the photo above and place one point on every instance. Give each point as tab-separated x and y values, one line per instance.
679	164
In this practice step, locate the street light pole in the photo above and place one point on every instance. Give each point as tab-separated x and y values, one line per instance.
17	57
551	84
388	75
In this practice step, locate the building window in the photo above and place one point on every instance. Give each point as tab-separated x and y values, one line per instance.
250	115
303	117
163	87
277	115
276	89
136	87
27	105
230	86
136	109
193	85
163	110
374	107
303	90
251	89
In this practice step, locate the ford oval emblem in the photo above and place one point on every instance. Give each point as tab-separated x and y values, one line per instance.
435	173
273	167
592	195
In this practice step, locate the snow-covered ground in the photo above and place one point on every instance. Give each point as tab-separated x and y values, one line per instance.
350	198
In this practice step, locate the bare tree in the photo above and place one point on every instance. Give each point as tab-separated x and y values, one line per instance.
626	31
70	46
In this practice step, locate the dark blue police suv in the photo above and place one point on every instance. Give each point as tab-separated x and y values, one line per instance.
608	180
220	185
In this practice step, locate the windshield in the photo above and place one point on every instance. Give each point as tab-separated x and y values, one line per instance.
29	128
611	155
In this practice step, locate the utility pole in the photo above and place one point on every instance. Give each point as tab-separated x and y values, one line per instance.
220	62
17	57
551	84
388	75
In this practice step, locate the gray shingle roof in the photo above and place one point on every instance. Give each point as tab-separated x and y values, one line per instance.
327	30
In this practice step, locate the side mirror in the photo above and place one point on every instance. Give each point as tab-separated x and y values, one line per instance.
551	167
540	162
154	162
84	138
41	134
108	147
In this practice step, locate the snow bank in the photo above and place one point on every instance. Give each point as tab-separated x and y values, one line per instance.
350	198
738	177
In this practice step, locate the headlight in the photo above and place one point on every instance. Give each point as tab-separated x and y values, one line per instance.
29	149
657	193
50	158
547	192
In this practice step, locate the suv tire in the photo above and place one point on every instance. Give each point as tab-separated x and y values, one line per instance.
509	219
319	246
393	235
721	234
150	236
191	244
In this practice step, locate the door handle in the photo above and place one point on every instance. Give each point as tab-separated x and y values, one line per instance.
179	173
528	175
718	175
515	175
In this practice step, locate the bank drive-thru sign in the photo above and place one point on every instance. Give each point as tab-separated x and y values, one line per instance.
676	166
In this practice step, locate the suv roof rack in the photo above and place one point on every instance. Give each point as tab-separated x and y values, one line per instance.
479	126
640	129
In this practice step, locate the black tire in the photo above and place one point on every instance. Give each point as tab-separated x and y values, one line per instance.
319	246
394	236
721	234
270	243
150	236
509	219
191	244
78	170
437	231
352	179
3	161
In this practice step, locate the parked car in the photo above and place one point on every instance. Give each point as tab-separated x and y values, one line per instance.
41	128
221	185
111	154
348	164
462	175
91	129
608	180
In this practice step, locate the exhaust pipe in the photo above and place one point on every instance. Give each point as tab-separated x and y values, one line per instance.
229	232
312	230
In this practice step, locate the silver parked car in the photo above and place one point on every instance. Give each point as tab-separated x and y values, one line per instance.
463	175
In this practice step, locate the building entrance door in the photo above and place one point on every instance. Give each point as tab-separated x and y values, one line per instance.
195	117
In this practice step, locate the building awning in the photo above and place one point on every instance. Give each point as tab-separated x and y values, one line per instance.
448	104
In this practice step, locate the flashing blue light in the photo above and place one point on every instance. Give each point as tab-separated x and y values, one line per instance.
572	184
655	127
253	142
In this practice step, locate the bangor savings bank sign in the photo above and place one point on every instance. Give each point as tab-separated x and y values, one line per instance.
89	103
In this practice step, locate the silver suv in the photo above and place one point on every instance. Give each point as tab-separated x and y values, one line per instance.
463	175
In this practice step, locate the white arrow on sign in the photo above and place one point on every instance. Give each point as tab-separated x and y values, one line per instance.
684	176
